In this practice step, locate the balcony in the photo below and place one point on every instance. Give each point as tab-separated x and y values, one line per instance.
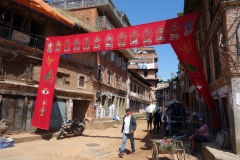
139	60
140	96
106	5
143	66
21	37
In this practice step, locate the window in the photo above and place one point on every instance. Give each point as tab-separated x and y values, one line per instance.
209	79
81	81
100	73
124	66
117	81
111	56
118	60
217	64
123	84
145	73
109	80
63	78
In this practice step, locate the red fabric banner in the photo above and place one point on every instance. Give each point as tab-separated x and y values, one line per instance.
177	31
122	38
188	56
43	105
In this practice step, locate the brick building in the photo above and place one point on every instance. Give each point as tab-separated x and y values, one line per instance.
138	92
217	39
110	67
162	93
145	64
22	34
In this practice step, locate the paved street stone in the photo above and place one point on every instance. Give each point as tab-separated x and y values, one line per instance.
92	145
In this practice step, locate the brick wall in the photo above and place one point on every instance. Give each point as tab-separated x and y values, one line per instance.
107	64
89	15
73	85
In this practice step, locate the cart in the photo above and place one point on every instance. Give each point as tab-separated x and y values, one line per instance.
178	151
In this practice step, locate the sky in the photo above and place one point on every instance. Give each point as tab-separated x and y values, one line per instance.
146	11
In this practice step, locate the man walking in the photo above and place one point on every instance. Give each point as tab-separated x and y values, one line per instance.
128	128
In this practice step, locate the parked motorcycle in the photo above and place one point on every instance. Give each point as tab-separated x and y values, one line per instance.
69	127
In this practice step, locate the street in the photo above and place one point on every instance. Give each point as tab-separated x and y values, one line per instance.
92	145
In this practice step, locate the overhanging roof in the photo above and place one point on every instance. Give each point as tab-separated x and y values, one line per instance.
44	8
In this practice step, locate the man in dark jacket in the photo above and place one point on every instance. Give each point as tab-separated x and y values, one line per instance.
128	128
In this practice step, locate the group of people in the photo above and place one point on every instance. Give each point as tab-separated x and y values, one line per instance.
158	117
198	130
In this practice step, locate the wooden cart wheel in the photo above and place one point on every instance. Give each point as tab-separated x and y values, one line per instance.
154	151
180	154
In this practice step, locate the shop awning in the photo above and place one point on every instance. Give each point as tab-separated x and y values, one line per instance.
172	102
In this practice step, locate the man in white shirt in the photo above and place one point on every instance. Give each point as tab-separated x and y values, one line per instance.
128	128
166	120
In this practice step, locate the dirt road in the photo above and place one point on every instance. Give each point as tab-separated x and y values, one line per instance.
92	145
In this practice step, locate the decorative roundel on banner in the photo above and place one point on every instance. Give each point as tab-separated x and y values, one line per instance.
76	45
188	27
43	107
86	44
58	46
122	37
50	46
174	31
109	39
199	86
160	34
147	36
97	43
134	35
67	45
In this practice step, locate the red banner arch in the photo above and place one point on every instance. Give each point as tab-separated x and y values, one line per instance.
178	32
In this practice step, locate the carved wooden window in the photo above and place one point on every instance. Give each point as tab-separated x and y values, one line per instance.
81	81
124	66
119	60
111	56
100	73
109	80
117	81
217	64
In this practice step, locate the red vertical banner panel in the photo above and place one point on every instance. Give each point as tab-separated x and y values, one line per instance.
43	105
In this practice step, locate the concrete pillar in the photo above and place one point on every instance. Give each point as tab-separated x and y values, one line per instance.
234	113
69	109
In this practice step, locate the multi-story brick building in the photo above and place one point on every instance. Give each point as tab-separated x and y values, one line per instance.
145	64
138	92
22	34
162	93
217	39
110	74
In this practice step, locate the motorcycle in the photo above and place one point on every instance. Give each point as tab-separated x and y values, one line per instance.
69	127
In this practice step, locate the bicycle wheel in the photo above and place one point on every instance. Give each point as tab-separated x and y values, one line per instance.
180	153
154	151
